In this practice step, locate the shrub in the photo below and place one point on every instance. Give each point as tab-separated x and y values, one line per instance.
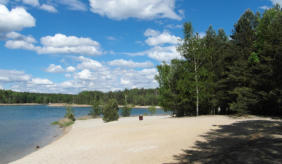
126	110
110	111
69	113
152	110
95	110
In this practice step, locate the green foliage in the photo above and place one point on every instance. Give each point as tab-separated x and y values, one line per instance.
241	75
96	110
110	111
65	122
126	110
135	96
69	113
152	110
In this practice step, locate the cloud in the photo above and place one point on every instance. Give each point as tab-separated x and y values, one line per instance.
145	9
31	2
54	68
274	2
85	74
15	20
164	53
4	1
70	69
151	32
48	8
174	26
157	38
103	79
74	5
19	41
130	63
39	81
87	63
57	44
163	46
60	44
13	76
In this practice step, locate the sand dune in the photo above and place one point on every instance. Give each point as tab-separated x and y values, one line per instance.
156	139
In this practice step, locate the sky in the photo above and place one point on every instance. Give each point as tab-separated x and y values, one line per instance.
69	46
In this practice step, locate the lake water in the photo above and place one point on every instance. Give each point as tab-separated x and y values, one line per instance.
22	128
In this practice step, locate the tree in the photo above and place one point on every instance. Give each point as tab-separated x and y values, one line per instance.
126	110
69	113
152	110
194	51
95	110
110	111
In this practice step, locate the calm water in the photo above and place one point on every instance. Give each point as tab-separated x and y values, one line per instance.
22	128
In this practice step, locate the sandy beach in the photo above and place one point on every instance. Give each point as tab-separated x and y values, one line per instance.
156	139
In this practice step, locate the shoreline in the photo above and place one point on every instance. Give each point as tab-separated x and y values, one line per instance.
21	104
72	105
147	141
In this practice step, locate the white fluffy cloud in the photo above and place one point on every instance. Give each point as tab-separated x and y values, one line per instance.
14	20
87	63
39	81
164	53
31	2
70	69
163	46
48	8
13	76
157	38
60	43
57	44
54	68
145	9
130	63
19	41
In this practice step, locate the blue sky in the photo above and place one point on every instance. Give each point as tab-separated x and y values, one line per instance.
68	46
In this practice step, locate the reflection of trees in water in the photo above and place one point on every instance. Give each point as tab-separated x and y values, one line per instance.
256	141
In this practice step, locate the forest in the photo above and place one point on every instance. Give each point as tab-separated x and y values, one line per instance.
220	74
133	96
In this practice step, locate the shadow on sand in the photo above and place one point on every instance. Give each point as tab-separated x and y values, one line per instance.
255	141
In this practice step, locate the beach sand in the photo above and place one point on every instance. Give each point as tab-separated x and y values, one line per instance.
156	139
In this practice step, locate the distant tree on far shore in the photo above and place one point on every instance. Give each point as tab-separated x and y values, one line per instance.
110	111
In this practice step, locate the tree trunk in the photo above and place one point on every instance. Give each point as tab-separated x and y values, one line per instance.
197	88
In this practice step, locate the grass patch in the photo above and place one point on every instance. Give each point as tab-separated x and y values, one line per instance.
65	122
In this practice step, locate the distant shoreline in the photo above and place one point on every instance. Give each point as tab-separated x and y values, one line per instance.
21	104
72	105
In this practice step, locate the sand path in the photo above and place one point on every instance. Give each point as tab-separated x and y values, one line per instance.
156	139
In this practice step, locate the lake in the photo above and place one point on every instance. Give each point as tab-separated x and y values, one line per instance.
22	128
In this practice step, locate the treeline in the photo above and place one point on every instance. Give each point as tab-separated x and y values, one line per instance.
240	74
133	96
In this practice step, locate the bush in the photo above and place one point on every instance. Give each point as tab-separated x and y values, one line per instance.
126	110
69	113
110	111
65	122
95	110
152	110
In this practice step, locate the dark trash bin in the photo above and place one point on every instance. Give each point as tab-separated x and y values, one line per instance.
140	117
